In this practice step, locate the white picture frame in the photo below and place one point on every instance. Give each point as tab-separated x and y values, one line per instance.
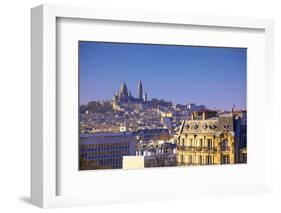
44	148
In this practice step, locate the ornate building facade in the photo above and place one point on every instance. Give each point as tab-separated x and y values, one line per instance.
208	138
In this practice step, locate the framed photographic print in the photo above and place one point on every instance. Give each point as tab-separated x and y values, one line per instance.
148	105
164	130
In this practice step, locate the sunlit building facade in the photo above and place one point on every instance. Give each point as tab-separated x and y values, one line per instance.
208	138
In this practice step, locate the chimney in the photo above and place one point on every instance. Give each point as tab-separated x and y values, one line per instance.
204	115
192	116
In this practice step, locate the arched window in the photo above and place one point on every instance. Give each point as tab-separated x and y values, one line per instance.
224	145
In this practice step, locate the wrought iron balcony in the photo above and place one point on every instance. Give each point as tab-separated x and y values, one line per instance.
183	148
196	148
224	149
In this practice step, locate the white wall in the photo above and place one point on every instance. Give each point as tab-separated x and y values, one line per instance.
15	98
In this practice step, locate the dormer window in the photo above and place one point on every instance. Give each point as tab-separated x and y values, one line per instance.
226	126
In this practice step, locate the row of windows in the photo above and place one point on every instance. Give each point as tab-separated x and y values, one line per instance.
99	150
205	126
101	157
197	142
105	153
105	146
199	159
201	143
107	161
150	131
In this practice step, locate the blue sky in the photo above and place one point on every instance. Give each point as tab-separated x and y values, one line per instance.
215	77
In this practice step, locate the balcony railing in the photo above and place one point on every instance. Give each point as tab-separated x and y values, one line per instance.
223	149
196	148
193	164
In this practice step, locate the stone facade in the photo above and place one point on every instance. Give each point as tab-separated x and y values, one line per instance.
208	138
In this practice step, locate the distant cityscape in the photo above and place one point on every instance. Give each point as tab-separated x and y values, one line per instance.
133	132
